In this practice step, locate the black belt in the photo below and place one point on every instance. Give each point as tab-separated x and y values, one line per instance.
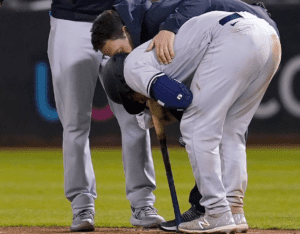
229	18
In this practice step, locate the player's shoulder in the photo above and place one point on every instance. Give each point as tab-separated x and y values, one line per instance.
137	52
138	55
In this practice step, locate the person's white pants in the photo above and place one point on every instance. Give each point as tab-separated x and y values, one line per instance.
228	86
74	66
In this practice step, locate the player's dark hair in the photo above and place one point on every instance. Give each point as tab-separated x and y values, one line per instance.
107	26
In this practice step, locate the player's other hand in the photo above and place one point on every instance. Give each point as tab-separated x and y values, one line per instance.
144	119
163	43
0	4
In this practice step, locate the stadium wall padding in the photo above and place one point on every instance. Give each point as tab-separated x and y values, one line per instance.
28	116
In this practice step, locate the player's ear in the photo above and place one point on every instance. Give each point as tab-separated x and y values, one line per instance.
125	31
127	36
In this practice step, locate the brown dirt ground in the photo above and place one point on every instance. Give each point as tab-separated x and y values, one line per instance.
25	230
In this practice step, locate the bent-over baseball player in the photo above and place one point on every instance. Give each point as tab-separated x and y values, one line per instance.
153	21
223	65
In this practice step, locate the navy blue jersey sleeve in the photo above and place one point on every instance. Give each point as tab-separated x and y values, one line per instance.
184	11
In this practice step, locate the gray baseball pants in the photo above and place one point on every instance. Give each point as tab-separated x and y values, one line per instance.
229	83
74	66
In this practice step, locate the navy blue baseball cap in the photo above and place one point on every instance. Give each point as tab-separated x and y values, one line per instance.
115	85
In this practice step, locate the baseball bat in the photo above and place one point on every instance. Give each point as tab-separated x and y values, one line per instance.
165	154
160	132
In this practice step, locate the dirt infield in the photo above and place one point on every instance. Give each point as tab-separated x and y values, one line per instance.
25	230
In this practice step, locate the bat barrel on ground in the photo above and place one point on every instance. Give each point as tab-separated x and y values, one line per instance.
166	159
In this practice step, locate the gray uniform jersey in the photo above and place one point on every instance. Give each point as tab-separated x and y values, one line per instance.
228	67
190	45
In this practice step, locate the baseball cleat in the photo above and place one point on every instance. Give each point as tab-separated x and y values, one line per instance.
83	222
240	222
217	223
182	142
187	216
145	217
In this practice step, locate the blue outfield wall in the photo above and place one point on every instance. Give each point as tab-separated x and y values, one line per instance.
28	115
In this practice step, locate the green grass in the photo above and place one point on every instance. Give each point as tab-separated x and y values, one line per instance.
31	187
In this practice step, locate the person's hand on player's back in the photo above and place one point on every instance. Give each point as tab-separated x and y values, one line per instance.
163	43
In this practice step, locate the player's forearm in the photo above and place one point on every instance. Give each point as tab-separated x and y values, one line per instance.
160	113
157	117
